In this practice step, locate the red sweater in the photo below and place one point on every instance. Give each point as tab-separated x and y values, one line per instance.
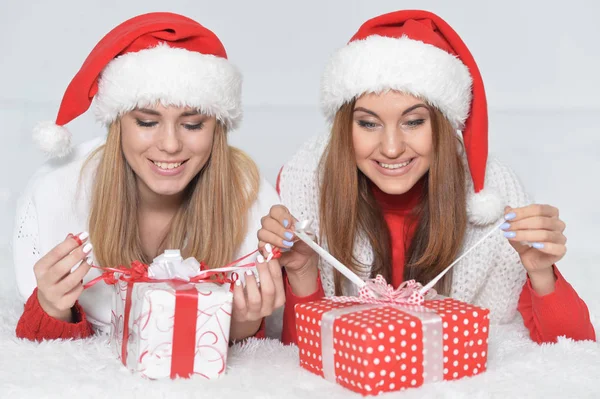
546	317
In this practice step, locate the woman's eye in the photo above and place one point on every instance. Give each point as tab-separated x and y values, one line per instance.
367	124
197	126
415	122
142	123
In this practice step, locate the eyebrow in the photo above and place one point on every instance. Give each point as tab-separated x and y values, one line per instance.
190	113
406	111
148	111
156	113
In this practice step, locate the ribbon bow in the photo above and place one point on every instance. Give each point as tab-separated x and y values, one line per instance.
170	266
377	290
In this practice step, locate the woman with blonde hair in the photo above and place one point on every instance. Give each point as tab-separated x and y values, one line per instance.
163	178
394	190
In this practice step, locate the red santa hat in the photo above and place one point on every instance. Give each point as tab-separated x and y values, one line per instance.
152	58
418	53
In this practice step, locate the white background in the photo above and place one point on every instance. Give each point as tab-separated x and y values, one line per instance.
539	60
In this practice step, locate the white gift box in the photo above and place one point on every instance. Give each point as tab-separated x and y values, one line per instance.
160	319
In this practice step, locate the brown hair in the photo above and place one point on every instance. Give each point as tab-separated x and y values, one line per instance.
441	216
211	221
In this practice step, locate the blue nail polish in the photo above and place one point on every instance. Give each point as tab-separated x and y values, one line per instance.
288	243
510	234
510	216
286	223
505	226
537	245
288	235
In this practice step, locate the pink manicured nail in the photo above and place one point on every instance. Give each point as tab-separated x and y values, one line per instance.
260	259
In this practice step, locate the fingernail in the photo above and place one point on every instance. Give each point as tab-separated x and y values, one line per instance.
288	235
510	216
238	282
87	248
268	248
288	243
76	266
505	226
538	245
260	259
88	259
249	273
82	236
286	223
510	234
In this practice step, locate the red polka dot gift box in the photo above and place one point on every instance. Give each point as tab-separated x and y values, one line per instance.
379	347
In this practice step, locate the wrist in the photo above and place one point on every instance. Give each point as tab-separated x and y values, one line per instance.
62	315
243	329
304	281
543	281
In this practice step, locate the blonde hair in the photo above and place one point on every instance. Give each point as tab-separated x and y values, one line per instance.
210	224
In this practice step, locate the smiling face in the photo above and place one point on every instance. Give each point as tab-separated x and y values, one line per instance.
166	147
392	138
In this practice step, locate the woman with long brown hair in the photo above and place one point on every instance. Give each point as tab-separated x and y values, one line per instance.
163	178
394	190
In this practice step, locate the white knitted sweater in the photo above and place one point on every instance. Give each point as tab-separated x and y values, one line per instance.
491	276
55	204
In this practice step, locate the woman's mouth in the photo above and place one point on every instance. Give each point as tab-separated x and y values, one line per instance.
397	168
167	165
167	168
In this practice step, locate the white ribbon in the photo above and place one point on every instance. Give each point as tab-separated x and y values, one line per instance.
171	266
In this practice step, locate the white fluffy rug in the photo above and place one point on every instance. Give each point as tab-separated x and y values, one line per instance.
266	369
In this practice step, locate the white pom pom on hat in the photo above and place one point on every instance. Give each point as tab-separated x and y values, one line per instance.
53	140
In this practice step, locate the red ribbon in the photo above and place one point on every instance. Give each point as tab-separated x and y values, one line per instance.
184	331
126	324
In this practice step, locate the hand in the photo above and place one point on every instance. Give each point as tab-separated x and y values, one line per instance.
58	287
300	261
539	225
252	303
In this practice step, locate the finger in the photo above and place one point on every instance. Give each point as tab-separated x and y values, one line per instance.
267	289
281	214
536	236
60	251
519	247
64	266
73	279
272	238
239	301
69	299
535	223
253	297
515	214
551	248
278	228
277	278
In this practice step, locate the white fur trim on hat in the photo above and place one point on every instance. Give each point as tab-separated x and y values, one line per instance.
484	207
54	140
170	76
377	64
